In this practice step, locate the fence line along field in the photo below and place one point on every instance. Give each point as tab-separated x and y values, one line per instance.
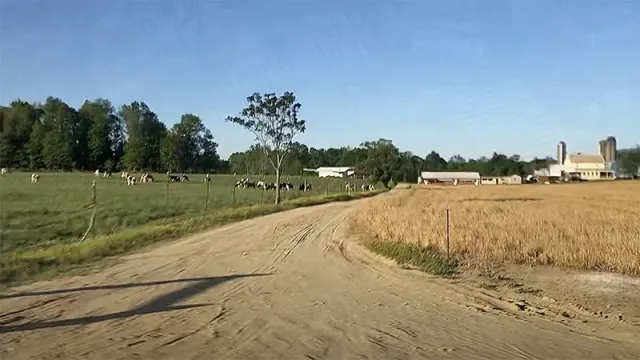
57	208
586	226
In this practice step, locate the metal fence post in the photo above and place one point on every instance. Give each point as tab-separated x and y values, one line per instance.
448	238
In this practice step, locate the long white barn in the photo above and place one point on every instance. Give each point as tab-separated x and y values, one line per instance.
342	171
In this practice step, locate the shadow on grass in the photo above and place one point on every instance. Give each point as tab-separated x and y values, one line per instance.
159	304
428	259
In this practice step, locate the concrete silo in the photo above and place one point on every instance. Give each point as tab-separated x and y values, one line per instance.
602	149
612	148
562	152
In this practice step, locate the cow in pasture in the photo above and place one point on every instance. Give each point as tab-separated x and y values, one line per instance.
349	187
35	178
124	175
97	172
207	179
106	174
131	180
261	184
146	177
286	186
305	187
3	171
184	178
367	187
270	186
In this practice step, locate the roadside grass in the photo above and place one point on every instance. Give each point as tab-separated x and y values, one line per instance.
413	256
57	258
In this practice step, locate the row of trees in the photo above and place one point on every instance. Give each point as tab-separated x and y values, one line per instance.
53	135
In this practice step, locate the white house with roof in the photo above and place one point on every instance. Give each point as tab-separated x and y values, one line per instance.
588	167
339	171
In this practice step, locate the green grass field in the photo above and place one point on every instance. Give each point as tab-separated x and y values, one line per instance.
56	209
42	223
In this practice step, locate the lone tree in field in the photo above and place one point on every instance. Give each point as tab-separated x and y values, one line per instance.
275	123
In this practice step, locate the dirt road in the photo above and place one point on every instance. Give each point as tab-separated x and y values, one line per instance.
290	286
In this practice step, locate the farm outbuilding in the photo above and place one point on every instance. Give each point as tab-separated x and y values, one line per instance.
456	178
343	171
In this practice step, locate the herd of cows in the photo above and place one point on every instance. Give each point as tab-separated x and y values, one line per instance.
244	183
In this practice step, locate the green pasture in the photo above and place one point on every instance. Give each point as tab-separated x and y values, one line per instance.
57	208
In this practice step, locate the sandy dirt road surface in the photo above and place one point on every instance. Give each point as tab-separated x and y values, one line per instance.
292	285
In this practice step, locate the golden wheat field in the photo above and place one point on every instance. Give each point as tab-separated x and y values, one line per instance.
592	226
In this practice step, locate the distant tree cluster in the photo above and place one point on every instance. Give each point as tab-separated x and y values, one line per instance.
56	136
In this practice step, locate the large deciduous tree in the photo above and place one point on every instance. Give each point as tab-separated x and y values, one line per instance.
275	122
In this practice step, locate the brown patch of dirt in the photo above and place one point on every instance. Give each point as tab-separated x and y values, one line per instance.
296	285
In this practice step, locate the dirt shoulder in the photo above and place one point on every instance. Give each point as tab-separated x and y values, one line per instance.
290	285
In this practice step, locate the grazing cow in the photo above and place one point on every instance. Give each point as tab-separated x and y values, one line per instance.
184	178
146	177
207	179
286	186
3	171
349	187
305	187
97	172
35	178
367	187
131	180
124	175
270	186
107	174
261	184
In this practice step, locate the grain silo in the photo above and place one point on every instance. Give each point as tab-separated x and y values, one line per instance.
602	149
562	152
612	148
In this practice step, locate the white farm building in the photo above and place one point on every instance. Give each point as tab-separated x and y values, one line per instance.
343	171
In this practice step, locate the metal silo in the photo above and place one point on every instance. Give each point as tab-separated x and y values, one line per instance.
612	147
602	149
562	152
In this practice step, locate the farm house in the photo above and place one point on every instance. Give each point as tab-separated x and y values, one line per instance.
343	171
501	180
442	177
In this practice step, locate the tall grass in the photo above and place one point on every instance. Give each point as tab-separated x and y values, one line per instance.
585	226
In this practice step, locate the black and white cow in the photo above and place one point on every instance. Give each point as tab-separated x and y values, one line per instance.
131	180
349	187
286	186
146	177
207	179
367	187
35	178
305	187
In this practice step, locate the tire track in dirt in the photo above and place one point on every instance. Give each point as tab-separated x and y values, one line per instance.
320	295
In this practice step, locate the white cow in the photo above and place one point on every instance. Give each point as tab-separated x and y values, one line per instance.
35	177
3	171
124	175
97	172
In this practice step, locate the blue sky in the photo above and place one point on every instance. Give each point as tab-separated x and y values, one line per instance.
467	77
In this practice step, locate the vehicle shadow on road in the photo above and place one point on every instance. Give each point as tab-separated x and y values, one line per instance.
161	303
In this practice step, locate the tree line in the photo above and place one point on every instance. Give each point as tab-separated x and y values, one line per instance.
55	136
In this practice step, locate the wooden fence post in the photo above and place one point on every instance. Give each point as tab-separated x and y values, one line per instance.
93	207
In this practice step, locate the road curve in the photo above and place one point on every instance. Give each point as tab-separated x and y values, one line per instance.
290	285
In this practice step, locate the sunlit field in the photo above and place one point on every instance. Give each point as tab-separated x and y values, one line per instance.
57	208
585	226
